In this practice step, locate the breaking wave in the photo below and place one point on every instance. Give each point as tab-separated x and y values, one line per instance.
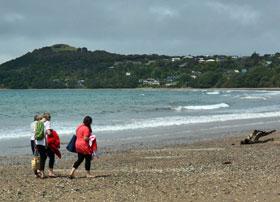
254	98
184	120
213	93
201	107
160	122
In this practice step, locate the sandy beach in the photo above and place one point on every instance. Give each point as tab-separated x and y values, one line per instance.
215	170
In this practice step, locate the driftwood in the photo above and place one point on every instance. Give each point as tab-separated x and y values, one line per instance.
254	137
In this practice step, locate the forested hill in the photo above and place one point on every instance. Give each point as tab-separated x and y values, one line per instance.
63	66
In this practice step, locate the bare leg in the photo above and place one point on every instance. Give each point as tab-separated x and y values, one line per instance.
90	175
71	175
51	173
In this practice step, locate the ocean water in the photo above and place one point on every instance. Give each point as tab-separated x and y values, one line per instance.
134	111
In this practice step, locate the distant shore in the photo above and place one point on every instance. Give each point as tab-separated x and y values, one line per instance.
145	88
219	169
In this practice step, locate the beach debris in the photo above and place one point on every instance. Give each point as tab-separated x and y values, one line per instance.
255	136
227	162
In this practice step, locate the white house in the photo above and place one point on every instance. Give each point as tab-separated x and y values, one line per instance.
268	62
210	60
201	60
152	82
175	59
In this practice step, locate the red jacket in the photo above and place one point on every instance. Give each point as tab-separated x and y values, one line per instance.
85	146
54	142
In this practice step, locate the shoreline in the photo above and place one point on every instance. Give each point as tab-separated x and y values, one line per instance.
145	88
154	137
220	169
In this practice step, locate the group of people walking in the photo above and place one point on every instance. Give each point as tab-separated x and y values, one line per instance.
45	143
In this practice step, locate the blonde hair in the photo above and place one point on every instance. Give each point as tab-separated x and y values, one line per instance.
47	116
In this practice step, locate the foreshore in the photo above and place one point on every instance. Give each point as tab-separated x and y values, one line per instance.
213	170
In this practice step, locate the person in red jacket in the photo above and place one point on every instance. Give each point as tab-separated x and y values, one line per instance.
54	143
85	146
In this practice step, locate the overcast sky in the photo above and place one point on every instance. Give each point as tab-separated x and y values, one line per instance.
172	27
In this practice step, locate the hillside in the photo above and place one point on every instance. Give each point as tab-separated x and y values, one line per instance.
63	66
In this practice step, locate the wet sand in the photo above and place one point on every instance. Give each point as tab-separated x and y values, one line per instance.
215	170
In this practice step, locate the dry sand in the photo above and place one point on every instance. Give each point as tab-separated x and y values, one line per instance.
217	170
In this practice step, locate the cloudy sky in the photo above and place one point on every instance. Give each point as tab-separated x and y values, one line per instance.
173	27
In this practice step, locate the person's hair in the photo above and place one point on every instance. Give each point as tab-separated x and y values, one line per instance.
47	116
87	121
39	117
36	117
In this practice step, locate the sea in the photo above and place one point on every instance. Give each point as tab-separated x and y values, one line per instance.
126	117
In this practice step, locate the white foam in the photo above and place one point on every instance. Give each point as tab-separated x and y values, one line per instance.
181	120
254	98
202	107
13	136
272	93
213	93
26	134
154	123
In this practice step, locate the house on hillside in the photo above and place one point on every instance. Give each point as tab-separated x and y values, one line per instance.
210	60
170	81
151	82
268	62
201	60
81	82
175	59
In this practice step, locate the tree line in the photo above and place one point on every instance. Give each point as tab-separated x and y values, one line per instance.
63	66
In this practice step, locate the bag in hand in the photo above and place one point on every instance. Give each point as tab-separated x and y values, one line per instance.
35	163
71	145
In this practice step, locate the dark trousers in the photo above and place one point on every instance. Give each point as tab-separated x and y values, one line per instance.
32	143
43	156
51	156
81	157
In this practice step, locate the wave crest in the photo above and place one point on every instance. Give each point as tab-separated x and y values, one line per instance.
201	107
213	93
253	98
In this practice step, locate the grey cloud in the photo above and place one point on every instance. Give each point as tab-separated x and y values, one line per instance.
174	27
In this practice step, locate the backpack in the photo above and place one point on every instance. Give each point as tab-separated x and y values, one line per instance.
39	132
